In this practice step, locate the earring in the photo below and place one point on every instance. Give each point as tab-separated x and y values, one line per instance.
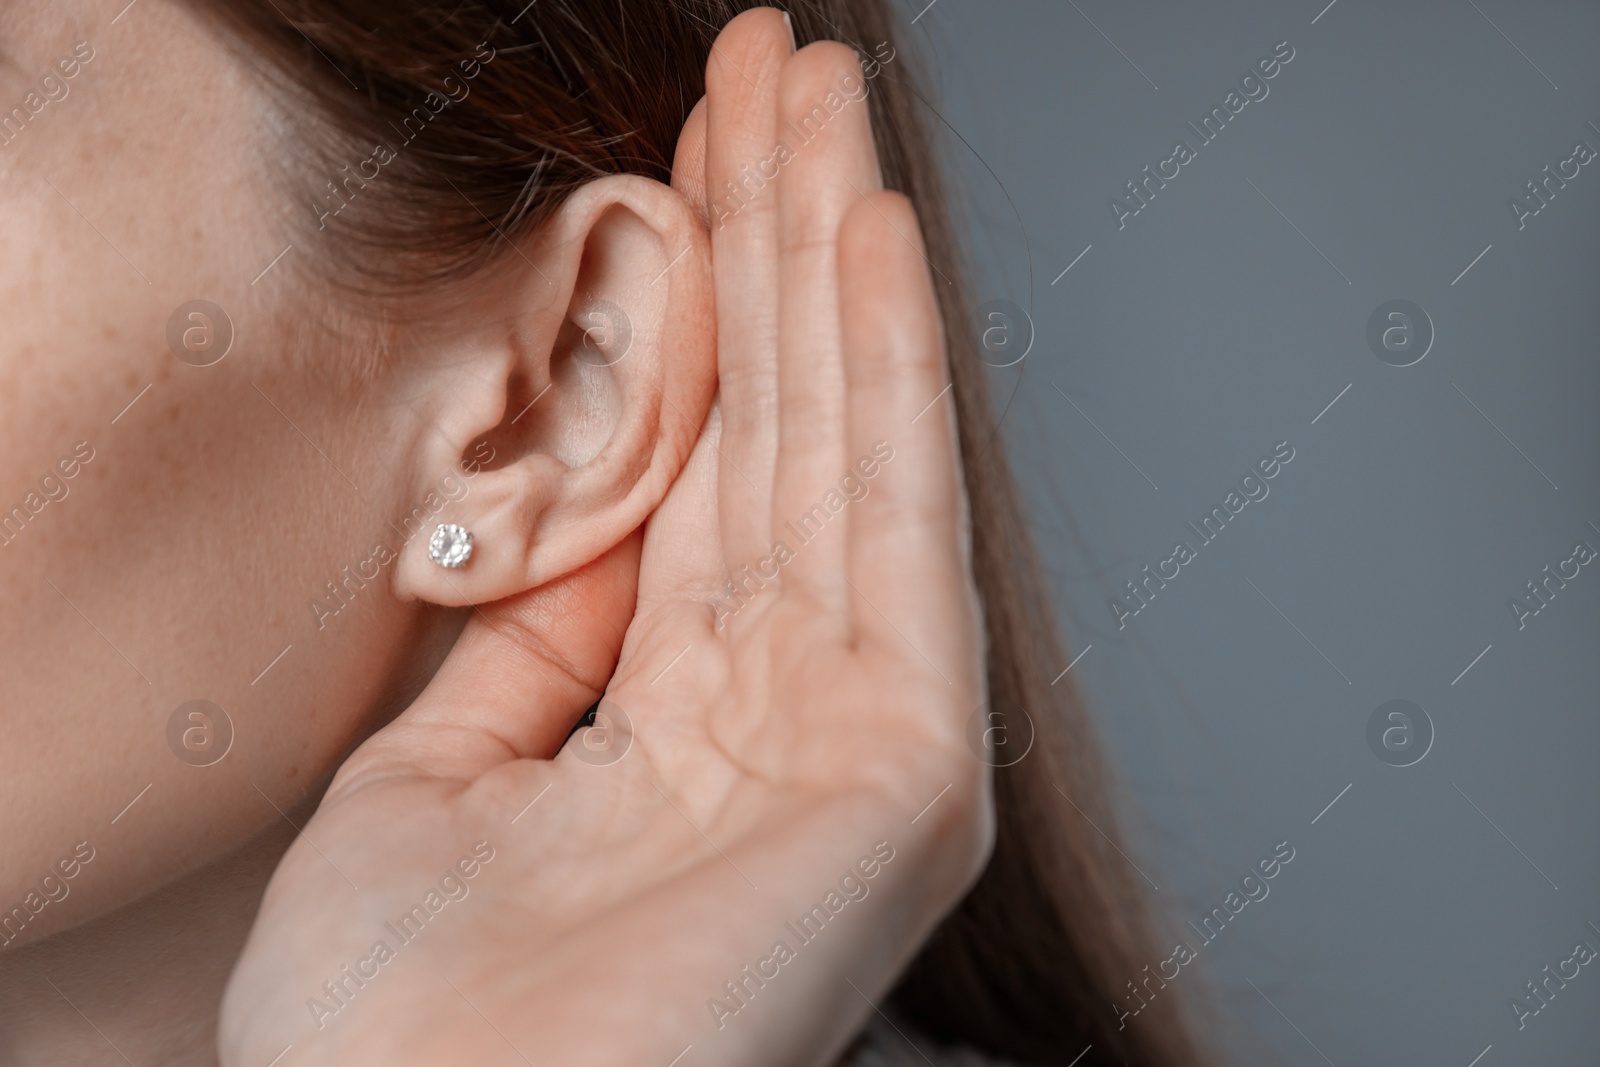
450	546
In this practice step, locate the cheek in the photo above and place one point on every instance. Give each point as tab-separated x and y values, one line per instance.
215	505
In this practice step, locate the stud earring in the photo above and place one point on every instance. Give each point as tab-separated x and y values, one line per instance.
450	546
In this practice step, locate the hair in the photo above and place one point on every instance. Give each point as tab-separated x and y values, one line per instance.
492	112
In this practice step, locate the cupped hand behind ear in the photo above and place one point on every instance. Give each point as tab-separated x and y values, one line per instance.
778	800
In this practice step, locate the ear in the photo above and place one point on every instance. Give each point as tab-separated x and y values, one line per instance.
566	408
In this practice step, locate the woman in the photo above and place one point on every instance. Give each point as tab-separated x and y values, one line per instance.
405	377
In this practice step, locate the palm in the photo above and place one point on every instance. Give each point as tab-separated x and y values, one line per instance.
737	771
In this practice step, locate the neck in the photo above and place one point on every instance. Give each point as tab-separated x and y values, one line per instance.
143	984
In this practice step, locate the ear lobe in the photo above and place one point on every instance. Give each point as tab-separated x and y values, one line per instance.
574	406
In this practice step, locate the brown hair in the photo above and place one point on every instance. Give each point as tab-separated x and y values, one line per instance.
488	113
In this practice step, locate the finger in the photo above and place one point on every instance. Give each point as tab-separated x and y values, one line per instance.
741	116
822	109
689	161
908	543
682	557
522	672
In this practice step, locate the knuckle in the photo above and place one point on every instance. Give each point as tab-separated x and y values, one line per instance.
805	241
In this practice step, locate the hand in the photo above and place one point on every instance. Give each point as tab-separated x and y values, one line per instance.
802	747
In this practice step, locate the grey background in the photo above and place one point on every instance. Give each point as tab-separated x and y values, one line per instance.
1207	331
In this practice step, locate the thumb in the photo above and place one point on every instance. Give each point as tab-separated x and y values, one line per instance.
521	674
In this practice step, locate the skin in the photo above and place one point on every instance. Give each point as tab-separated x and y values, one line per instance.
816	723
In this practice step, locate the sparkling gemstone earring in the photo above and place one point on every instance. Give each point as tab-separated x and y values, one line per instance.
450	546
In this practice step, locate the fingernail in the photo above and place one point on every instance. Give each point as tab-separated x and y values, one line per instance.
789	25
